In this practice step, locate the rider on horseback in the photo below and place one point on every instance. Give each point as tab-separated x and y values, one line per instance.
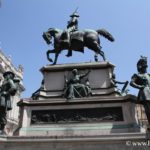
71	27
73	23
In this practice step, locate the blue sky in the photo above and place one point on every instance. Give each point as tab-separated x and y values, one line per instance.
22	23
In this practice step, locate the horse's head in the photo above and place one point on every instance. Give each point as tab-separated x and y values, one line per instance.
52	32
47	37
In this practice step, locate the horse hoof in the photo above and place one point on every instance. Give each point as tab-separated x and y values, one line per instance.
50	60
68	55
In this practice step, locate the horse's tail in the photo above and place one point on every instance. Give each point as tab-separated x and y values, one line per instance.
106	34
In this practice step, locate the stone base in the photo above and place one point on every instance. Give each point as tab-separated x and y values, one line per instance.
126	141
93	116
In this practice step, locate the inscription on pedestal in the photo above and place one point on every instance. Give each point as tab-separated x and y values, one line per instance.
106	114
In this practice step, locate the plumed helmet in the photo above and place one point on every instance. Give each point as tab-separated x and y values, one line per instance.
142	63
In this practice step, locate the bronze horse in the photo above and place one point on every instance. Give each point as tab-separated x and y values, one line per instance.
78	40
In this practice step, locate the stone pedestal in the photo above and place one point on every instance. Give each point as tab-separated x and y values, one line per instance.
122	141
105	112
87	117
54	83
104	120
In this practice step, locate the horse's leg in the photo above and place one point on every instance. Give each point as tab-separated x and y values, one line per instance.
102	54
57	52
56	57
48	53
69	54
96	57
97	48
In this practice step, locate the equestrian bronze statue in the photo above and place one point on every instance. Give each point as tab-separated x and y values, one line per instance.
74	39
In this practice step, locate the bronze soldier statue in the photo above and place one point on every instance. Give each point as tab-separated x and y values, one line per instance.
141	81
7	89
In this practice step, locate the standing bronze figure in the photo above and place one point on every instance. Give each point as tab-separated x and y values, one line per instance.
7	89
141	81
74	39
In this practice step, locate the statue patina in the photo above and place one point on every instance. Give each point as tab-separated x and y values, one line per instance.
74	39
114	83
8	88
74	88
141	81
